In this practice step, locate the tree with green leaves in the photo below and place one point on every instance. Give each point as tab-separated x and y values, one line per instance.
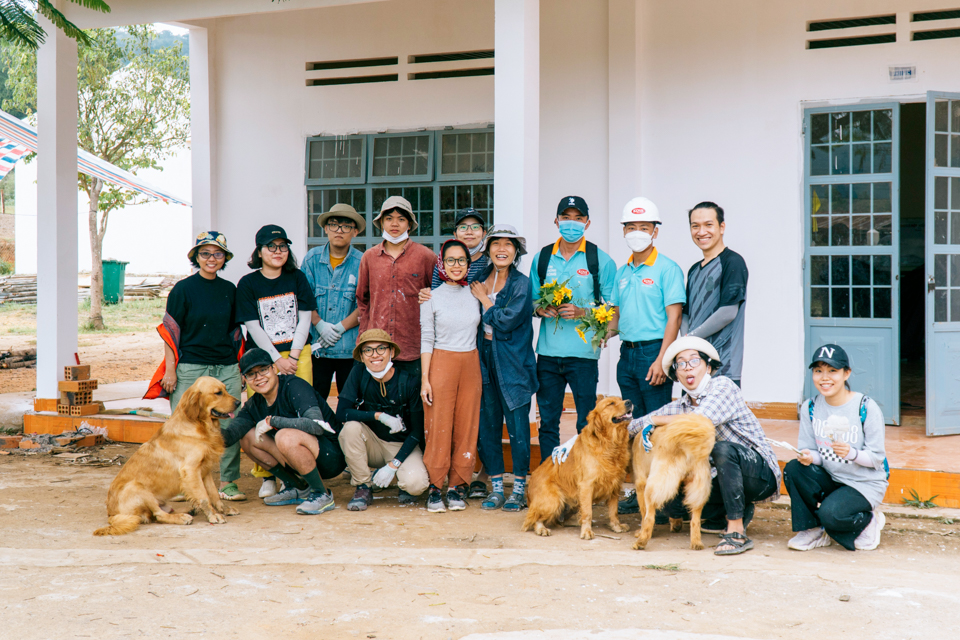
18	20
134	110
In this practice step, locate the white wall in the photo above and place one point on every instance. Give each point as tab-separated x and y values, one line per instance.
153	237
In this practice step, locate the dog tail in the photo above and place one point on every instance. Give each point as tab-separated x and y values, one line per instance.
691	434
119	524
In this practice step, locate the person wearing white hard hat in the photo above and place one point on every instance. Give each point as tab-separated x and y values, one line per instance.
746	467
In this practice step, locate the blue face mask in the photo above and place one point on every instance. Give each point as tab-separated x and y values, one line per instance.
572	230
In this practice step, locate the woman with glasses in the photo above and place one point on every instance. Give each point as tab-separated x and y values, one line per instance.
202	338
747	469
275	303
450	383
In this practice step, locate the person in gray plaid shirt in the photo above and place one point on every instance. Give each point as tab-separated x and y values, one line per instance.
745	467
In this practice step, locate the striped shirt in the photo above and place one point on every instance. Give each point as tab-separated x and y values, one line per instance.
723	404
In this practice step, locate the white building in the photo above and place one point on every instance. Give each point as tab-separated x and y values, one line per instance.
679	101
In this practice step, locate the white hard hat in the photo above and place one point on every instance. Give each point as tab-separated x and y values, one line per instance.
640	210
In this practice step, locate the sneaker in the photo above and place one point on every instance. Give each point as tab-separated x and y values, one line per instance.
232	493
630	504
869	538
455	501
317	503
810	539
477	490
435	501
405	498
268	488
287	496
362	498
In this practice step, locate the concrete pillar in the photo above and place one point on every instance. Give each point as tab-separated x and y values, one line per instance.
56	208
201	133
517	116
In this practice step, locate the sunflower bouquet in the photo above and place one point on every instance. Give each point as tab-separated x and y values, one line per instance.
596	320
554	294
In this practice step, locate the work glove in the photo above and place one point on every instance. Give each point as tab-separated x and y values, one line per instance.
330	333
645	434
384	476
326	427
322	342
317	347
262	428
394	423
561	453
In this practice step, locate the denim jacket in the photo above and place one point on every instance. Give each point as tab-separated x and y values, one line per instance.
511	317
336	294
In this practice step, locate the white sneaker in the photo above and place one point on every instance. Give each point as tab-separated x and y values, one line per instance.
810	539
268	488
869	538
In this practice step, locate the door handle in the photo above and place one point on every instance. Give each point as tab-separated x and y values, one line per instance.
931	284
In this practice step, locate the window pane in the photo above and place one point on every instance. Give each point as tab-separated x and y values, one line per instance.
954	193
456	197
819	128
881	302
840	303
883	124
820	225
955	227
840	200
940	195
335	159
841	159
940	227
940	270
839	270
881	270
820	302
940	150
861	270
819	270
883	157
955	271
881	198
861	158
860	231
955	116
955	151
401	156
840	231
465	153
940	115
861	130
861	302
940	305
955	305
883	225
820	160
840	127
861	198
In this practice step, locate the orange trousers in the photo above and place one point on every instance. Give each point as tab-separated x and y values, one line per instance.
452	423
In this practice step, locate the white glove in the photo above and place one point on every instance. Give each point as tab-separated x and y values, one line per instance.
395	424
560	453
384	476
262	428
317	347
330	333
326	427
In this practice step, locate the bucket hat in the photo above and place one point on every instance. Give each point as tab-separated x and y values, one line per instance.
396	202
341	210
683	344
374	335
210	237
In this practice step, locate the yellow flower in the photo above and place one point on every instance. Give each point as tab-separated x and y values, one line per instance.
567	293
558	297
580	333
551	284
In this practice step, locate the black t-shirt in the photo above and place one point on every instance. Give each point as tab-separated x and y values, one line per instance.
275	304
205	311
294	397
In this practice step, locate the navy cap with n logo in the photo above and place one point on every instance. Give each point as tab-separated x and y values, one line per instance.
831	354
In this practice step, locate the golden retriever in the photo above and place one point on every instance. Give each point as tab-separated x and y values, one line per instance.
680	455
181	456
594	470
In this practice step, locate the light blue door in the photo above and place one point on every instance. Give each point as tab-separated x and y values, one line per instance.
851	218
943	264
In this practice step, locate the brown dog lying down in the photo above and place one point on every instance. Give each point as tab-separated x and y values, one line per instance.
593	471
680	455
181	456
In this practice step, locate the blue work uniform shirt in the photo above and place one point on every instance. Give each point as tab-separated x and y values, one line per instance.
643	294
564	342
336	294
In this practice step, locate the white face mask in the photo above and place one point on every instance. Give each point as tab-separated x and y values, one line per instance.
701	389
638	241
380	374
476	249
401	238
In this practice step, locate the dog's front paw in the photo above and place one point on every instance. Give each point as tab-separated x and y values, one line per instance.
696	546
186	518
216	518
640	545
230	511
619	527
541	530
586	534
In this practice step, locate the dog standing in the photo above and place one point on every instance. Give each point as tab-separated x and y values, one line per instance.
680	455
181	456
594	470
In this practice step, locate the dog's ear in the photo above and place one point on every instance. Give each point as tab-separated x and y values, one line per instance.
191	404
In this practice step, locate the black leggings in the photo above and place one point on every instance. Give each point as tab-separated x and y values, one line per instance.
325	368
743	477
817	500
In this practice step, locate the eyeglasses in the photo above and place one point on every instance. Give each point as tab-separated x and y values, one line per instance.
341	227
452	261
687	364
263	372
469	227
277	248
219	255
368	351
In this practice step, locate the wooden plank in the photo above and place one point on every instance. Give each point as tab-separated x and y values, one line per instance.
774	410
119	429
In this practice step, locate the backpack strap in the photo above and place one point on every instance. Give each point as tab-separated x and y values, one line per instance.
593	266
542	260
863	421
810	405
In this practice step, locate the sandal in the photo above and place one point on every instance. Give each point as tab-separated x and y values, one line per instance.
494	501
516	502
232	493
738	541
477	490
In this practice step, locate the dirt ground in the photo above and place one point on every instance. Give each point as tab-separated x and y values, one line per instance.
401	572
113	357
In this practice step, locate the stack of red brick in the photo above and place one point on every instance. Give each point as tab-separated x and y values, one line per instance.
76	392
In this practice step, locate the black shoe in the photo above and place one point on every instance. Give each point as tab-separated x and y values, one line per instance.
661	517
405	498
477	490
629	504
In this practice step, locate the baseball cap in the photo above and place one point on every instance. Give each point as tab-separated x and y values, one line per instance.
269	233
469	212
831	354
573	202
254	358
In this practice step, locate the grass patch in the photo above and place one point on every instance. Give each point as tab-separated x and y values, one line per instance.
919	503
662	567
128	317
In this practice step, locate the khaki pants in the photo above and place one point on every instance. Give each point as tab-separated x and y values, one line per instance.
452	423
363	449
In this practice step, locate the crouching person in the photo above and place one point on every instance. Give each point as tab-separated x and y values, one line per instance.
287	429
382	416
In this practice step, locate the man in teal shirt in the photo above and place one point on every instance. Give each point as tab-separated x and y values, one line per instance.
562	355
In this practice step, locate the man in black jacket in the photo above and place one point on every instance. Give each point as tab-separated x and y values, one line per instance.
286	428
382	416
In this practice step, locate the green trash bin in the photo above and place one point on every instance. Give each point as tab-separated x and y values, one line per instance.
114	272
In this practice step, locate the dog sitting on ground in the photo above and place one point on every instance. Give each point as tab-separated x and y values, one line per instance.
181	456
593	471
680	455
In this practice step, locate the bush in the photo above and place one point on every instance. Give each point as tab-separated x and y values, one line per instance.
6	268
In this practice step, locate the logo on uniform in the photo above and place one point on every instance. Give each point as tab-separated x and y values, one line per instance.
582	272
572	202
647	281
639	210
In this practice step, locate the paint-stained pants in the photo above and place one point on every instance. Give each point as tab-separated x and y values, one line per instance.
452	423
